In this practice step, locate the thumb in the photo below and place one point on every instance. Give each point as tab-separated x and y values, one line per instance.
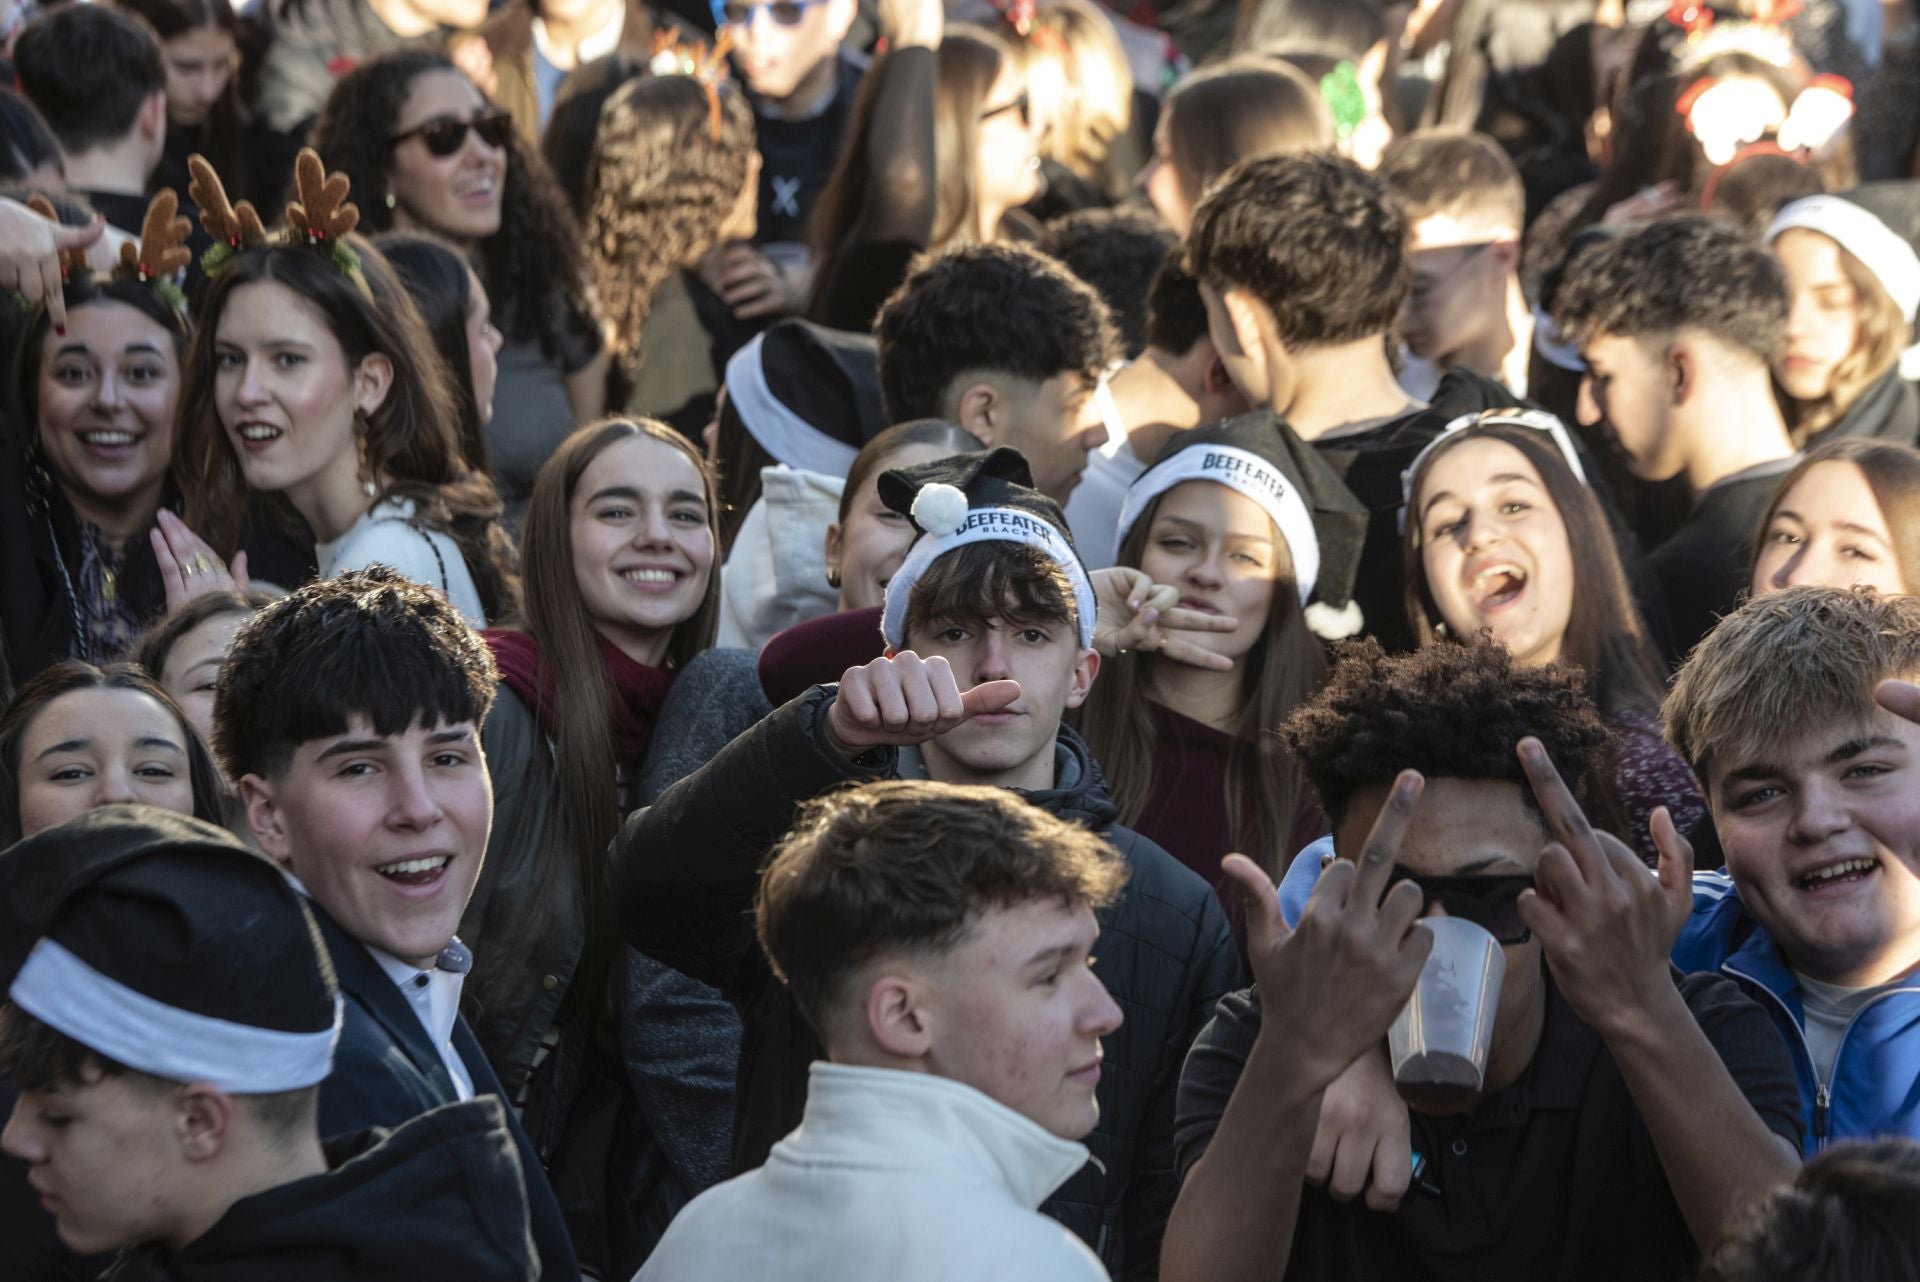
1676	865
1266	928
1901	698
238	570
989	696
65	237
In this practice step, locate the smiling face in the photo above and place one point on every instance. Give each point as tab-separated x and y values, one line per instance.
1822	838
1823	323
1007	158
285	394
199	67
869	546
102	1156
483	346
106	395
1627	388
387	833
1221	550
459	195
101	747
1014	747
1494	549
643	545
1829	529
193	665
1017	1012
1467	828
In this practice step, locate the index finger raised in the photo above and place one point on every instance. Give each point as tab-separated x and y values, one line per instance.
1382	848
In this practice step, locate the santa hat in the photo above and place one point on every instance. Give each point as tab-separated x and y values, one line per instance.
976	498
1259	456
1879	224
809	395
159	942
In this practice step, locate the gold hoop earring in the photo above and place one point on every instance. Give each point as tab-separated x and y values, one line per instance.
361	428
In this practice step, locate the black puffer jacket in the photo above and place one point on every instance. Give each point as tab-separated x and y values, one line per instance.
684	875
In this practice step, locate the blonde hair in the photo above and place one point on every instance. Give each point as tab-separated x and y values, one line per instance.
1877	344
668	168
1098	106
1800	657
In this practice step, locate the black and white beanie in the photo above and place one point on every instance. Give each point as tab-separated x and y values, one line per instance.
1879	224
809	395
1259	456
126	929
976	498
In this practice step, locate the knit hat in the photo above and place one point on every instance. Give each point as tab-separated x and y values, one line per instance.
809	395
159	942
1259	456
1879	224
976	498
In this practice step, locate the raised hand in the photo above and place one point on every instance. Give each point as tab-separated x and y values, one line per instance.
1901	698
1607	928
1330	988
752	284
902	699
189	568
1135	613
30	251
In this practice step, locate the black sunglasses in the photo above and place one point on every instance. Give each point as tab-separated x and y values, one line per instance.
1023	104
1491	903
785	13
444	137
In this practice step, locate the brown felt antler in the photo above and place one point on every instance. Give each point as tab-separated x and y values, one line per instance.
71	260
323	212
232	225
162	250
708	66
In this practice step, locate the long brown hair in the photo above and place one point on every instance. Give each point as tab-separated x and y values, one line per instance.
1243	108
1605	633
662	182
970	60
1892	472
1265	787
1877	344
556	618
412	438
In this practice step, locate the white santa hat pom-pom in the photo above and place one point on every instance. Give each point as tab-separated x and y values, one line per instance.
1334	625
940	508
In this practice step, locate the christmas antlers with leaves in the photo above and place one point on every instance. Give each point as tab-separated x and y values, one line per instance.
320	219
160	254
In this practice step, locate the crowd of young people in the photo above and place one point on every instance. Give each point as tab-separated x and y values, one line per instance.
608	606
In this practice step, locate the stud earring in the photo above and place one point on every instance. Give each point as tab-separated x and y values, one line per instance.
391	202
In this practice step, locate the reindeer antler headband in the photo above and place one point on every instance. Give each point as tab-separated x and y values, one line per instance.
706	65
320	219
160	254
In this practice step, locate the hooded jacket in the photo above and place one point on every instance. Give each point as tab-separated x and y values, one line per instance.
438	1197
684	875
890	1175
1871	1090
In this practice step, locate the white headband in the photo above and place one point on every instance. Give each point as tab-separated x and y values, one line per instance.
987	525
1246	473
1860	232
789	438
63	992
1532	420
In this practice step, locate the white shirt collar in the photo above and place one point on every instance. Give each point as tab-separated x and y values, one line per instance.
916	1121
436	1002
598	45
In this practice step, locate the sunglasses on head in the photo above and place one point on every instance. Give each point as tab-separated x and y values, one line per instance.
785	13
1491	903
1023	104
444	137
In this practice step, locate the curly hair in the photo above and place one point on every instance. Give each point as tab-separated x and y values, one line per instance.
1448	711
662	184
1118	252
998	309
1682	272
1313	237
533	267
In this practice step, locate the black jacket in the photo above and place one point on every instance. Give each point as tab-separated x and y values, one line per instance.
684	875
439	1197
386	1071
1888	410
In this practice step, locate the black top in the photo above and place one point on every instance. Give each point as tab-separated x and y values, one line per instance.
1706	568
797	156
1554	1177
